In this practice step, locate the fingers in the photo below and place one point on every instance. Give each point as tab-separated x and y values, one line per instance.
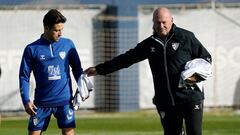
91	71
34	108
88	71
31	108
190	81
31	111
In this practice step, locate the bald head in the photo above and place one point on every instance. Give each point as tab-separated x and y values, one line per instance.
162	12
162	21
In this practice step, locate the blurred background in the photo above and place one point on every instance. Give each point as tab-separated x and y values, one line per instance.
102	29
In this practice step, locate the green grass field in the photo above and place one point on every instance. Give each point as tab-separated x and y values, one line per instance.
136	123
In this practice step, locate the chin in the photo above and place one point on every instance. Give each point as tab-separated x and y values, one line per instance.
55	40
164	33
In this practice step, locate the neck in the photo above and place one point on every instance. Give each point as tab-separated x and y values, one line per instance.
163	36
46	37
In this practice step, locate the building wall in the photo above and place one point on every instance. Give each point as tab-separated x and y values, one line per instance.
218	33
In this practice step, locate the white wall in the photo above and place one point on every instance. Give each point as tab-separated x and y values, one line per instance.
21	27
218	35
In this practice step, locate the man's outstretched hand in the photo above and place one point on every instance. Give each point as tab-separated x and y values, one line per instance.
91	71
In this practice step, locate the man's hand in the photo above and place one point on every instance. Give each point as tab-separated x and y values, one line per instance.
91	71
195	78
30	108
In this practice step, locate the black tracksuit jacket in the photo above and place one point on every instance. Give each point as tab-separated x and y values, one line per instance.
167	59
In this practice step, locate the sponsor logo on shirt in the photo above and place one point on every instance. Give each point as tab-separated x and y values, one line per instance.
54	72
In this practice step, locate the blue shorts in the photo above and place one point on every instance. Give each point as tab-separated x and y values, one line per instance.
64	114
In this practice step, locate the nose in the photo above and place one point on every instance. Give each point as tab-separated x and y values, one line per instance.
60	33
161	25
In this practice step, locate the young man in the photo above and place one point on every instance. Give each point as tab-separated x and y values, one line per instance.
50	58
167	50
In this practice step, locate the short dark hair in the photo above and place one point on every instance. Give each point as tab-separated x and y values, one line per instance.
52	17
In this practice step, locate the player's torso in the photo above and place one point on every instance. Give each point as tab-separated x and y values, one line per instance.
50	62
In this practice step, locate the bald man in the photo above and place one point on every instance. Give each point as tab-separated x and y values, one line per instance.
168	49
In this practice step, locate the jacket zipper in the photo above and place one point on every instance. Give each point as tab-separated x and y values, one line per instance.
166	71
165	67
51	50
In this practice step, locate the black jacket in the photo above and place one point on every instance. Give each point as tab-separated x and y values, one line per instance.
167	60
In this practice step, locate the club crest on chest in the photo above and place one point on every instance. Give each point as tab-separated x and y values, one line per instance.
62	54
175	46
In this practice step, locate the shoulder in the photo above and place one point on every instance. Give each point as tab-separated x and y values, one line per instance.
147	40
34	44
65	40
183	33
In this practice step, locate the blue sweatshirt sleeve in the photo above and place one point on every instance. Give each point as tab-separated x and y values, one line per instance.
75	63
24	75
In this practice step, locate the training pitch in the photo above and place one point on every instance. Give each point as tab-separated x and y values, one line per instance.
132	123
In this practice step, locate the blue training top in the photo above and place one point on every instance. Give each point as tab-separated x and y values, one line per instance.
50	65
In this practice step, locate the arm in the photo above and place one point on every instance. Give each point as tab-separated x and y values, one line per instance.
24	77
198	51
75	63
121	61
